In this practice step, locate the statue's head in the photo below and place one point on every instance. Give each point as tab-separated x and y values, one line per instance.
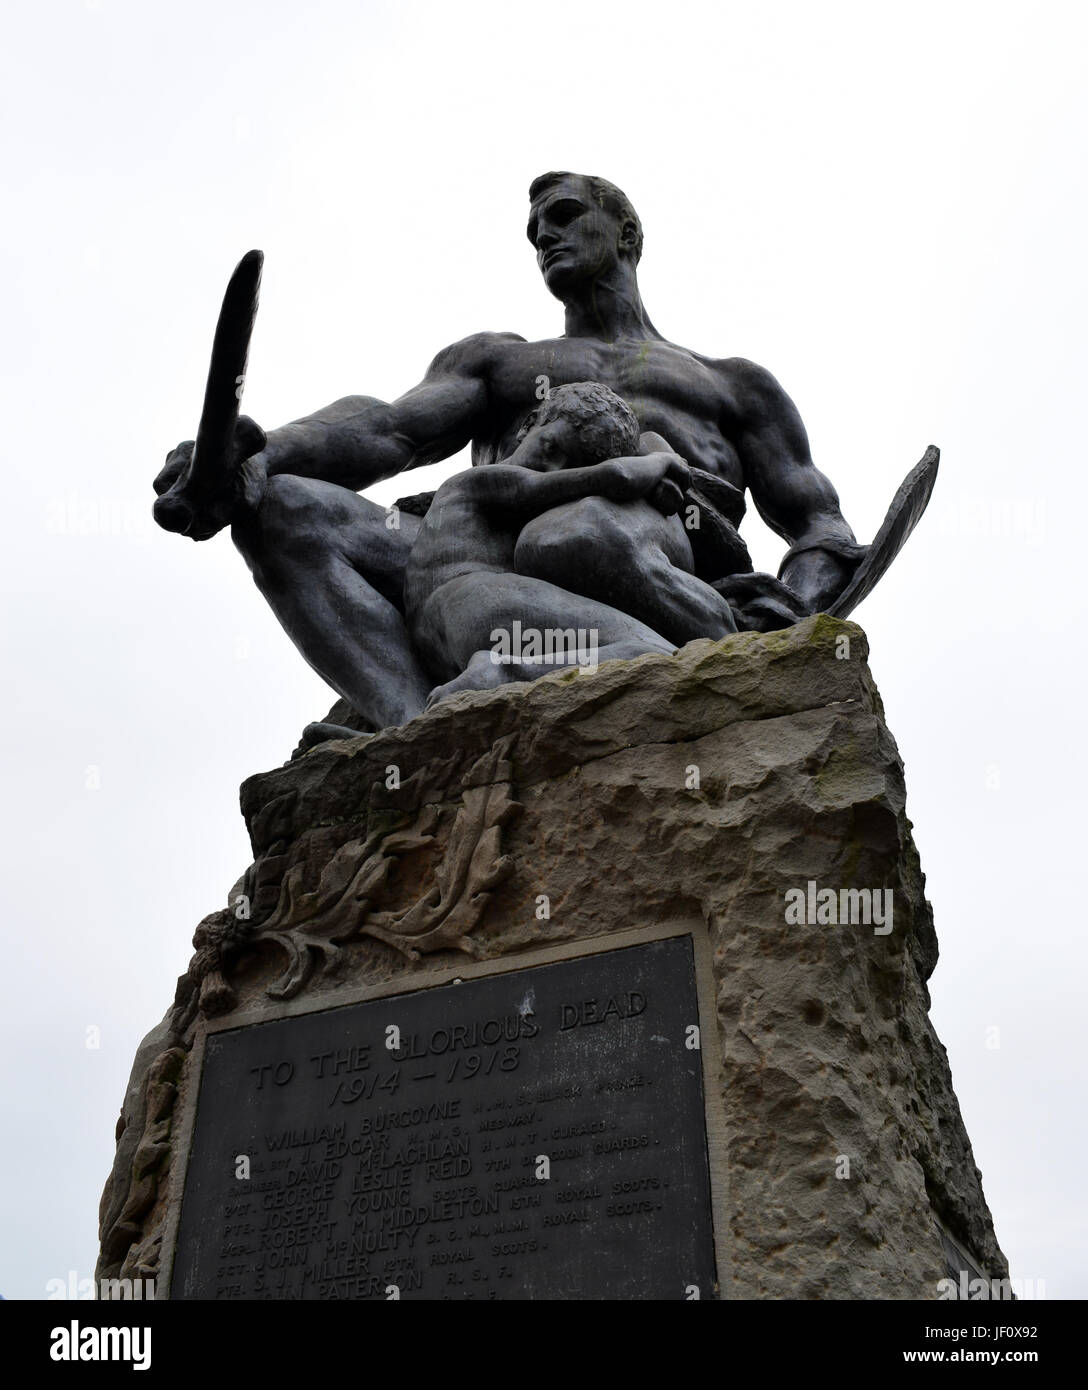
575	426
582	228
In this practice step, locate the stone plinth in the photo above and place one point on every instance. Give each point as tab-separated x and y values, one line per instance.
719	793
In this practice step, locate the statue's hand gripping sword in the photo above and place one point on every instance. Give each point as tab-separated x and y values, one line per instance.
198	486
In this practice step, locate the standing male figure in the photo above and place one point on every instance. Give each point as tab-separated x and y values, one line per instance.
333	570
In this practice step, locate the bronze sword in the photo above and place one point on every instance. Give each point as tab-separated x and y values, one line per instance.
205	485
903	516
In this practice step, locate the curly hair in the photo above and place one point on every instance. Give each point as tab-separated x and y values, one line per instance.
606	425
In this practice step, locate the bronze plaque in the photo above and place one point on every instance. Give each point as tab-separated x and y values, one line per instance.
538	1134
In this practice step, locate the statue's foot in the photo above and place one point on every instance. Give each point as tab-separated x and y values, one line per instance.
320	732
761	603
481	673
197	500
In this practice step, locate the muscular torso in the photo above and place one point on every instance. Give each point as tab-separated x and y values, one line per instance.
675	393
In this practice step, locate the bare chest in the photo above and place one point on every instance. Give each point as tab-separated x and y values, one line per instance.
670	390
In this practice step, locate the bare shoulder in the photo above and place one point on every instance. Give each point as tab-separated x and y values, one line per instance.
753	391
472	356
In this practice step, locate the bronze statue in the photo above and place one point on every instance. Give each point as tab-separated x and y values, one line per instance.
639	545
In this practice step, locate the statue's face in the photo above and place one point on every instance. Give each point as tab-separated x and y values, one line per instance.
548	448
576	239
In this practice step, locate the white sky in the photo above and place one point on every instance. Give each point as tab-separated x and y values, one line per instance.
884	204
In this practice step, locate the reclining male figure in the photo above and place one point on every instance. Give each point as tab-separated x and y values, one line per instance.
462	585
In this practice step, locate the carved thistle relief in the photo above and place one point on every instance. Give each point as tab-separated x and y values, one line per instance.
352	898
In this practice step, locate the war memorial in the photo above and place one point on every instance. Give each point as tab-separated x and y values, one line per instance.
584	949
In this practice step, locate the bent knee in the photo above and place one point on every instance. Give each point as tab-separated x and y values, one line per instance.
301	516
289	508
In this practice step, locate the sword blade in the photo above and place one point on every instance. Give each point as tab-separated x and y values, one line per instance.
903	516
213	451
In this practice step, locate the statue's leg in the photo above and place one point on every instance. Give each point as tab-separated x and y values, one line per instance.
482	673
332	571
629	556
459	621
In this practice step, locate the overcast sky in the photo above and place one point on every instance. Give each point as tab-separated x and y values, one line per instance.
882	203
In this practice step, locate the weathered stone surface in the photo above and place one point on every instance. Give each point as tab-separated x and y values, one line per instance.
699	789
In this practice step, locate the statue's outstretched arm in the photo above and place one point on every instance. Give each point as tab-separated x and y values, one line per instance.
354	442
358	440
